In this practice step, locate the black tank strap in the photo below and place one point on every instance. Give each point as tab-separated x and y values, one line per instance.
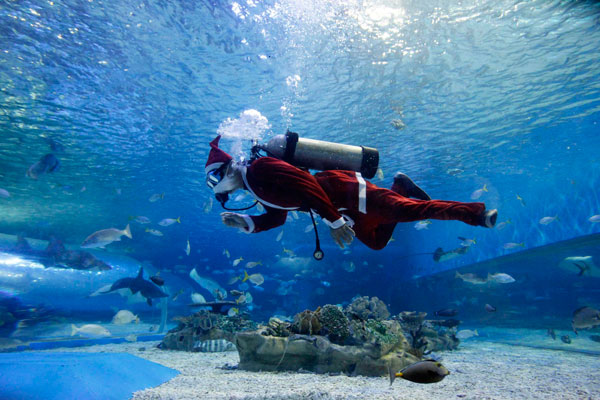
291	139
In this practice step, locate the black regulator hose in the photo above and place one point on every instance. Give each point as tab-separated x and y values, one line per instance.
318	254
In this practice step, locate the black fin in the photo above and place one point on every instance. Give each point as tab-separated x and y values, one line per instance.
437	254
140	274
582	268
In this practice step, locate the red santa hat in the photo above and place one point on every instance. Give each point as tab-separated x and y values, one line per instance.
216	156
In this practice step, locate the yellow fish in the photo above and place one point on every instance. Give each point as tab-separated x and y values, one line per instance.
233	311
226	252
477	194
521	200
237	261
233	280
503	224
257	279
241	299
253	264
289	252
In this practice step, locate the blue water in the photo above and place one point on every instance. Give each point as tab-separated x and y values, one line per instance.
498	93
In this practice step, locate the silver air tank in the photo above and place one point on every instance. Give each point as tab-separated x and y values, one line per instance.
321	155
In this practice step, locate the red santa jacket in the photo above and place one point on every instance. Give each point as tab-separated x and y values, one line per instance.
281	187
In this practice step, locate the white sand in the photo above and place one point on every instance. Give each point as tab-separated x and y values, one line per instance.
479	370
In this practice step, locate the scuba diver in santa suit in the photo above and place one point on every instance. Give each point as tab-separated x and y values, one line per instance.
346	202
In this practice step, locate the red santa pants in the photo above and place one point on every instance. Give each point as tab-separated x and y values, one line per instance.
386	208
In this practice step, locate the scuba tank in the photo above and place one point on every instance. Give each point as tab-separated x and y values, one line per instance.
322	155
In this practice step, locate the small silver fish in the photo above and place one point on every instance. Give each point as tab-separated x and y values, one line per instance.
466	334
349	266
279	236
140	219
512	245
548	220
156	197
177	294
477	193
500	277
398	124
90	330
169	221
233	311
253	264
154	232
187	248
237	261
454	171
257	279
466	242
503	224
105	236
594	218
233	280
241	299
471	278
422	225
4	193
490	308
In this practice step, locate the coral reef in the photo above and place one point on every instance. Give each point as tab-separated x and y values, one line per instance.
412	323
365	308
307	322
313	353
277	327
358	340
203	326
335	324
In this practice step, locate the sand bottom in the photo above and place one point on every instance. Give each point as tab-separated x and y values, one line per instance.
479	370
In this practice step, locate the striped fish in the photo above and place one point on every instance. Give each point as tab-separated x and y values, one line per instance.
214	346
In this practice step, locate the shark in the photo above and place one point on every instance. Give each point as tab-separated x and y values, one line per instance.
57	255
440	255
138	284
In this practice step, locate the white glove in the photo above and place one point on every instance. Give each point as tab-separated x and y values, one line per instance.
234	220
343	234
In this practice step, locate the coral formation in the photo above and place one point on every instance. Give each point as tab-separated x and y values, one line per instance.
203	326
277	327
334	323
358	340
307	322
365	308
